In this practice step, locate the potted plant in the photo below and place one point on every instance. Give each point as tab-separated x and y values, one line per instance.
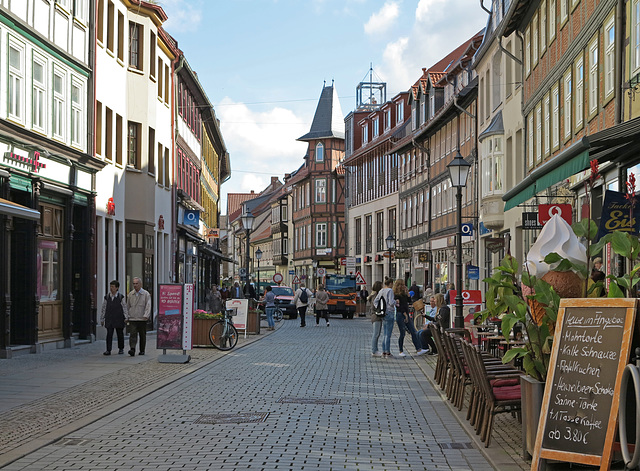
202	322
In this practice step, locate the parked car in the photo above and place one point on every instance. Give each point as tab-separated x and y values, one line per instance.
284	298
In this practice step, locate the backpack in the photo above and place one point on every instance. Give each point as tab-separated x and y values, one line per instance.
304	297
380	309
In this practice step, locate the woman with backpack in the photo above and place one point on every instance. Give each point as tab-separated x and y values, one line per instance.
376	320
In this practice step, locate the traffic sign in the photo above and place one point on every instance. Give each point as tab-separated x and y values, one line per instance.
322	271
277	278
360	279
296	280
242	272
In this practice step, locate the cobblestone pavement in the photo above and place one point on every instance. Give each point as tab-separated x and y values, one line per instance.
317	398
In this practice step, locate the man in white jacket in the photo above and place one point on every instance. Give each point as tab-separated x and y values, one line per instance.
139	305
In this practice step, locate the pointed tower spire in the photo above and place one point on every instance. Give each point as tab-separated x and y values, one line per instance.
328	121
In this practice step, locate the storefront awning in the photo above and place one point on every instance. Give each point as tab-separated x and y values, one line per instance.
10	208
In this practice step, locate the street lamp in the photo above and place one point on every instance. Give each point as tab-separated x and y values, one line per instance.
391	244
315	266
258	257
247	223
458	172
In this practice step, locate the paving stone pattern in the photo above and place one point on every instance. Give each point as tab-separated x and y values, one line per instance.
386	414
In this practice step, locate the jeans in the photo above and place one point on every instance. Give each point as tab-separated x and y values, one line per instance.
387	329
269	312
377	328
405	324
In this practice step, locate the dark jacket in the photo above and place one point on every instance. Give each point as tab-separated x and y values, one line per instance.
403	303
114	311
443	318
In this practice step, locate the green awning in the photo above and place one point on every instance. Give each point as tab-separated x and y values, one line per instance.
526	194
579	163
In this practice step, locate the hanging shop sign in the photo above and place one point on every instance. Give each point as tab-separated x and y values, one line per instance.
423	257
615	215
530	221
494	244
191	217
547	211
403	254
467	229
473	272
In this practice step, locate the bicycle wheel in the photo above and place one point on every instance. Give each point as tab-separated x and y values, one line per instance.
277	314
419	320
221	339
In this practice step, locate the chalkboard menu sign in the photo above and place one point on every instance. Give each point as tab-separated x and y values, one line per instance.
580	408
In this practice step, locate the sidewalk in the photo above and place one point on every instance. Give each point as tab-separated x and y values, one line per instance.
48	396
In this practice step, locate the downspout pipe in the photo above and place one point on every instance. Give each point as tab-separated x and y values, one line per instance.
620	27
484	8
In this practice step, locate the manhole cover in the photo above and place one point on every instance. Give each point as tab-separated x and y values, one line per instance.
71	441
235	418
456	446
307	400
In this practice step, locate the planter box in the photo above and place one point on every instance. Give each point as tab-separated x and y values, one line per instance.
200	334
532	392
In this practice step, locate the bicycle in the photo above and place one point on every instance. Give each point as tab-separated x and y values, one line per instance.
223	334
278	314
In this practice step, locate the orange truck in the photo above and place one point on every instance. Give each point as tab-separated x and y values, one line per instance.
342	295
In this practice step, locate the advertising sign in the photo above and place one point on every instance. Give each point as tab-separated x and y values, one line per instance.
467	229
241	307
469	296
473	272
187	309
170	318
530	221
615	215
547	211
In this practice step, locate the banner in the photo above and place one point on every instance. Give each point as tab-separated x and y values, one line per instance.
615	215
169	317
547	211
191	217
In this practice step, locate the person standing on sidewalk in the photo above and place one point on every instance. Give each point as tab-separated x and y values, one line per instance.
139	305
404	320
113	316
322	310
301	300
389	319
269	300
214	300
376	320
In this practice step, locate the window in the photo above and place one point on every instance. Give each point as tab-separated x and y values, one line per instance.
16	81
121	36
135	45
567	105
119	131
492	165
58	103
527	52
609	56
563	11
39	98
508	81
358	232
152	55
321	190
552	20
579	98
321	234
108	134
376	128
530	143
545	124
319	152
133	144
496	70
99	128
77	107
110	19
380	236
399	112
100	20
160	88
365	134
160	165
80	10
151	168
538	133
167	175
593	77
166	86
543	27
555	117
368	234
534	40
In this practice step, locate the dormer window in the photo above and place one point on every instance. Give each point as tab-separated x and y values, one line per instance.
376	128
319	152
387	119
365	134
399	112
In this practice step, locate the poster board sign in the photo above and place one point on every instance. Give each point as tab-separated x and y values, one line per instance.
581	397
187	328
170	316
241	306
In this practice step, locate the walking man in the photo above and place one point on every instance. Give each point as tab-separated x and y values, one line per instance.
139	305
113	316
301	300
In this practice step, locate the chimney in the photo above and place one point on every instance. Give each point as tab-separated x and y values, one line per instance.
274	180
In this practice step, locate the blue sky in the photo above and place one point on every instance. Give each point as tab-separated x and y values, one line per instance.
263	64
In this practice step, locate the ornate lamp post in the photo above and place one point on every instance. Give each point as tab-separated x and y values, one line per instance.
247	223
258	257
458	172
391	244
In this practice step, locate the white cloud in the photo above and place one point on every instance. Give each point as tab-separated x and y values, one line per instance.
261	144
185	14
382	20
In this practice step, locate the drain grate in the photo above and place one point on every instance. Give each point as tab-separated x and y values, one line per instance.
456	446
235	418
71	441
307	400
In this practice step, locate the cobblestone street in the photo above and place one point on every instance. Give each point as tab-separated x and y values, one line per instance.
309	398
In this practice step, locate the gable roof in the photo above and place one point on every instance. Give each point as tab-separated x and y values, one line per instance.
328	122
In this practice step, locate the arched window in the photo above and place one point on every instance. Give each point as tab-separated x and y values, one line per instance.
319	152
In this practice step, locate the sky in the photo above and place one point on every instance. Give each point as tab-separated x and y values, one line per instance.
263	64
